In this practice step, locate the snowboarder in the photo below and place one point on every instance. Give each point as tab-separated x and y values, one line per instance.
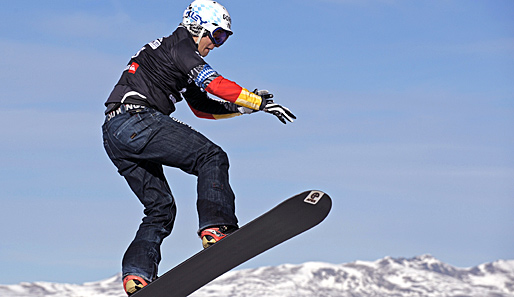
140	137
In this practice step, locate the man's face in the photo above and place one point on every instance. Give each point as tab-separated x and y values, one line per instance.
205	46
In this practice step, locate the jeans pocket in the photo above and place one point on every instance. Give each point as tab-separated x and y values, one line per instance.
135	133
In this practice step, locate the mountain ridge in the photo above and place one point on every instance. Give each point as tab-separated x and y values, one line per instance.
399	277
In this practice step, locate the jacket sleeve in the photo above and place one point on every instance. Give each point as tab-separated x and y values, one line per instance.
208	108
206	78
234	93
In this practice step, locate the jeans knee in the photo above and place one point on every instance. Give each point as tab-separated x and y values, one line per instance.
170	218
160	216
168	212
218	155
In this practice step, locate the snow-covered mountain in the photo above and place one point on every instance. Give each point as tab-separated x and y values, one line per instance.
420	276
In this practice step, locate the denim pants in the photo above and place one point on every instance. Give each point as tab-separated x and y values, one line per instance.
139	142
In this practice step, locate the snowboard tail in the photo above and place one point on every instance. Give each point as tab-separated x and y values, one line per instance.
288	219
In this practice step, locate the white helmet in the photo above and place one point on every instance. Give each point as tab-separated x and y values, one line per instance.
210	15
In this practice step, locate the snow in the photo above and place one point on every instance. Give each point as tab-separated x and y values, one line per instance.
494	275
400	277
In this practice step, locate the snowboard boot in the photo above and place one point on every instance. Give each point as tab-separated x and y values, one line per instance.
132	284
212	235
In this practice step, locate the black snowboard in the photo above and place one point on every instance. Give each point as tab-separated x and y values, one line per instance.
288	219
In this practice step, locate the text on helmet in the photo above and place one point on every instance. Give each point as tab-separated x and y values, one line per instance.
195	17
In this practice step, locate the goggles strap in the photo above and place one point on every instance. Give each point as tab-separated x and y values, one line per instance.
200	36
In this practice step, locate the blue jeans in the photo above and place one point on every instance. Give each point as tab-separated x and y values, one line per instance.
139	142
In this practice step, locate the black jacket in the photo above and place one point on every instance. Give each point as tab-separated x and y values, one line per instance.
163	72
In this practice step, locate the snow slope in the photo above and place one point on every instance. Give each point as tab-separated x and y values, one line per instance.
400	277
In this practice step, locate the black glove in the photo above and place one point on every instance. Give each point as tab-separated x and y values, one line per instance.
265	94
281	112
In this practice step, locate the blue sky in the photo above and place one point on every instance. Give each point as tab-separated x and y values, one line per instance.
405	117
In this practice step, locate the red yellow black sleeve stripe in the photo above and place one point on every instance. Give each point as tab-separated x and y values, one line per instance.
230	91
210	116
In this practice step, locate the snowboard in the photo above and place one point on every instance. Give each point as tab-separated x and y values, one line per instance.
288	219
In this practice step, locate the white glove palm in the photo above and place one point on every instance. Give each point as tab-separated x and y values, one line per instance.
281	112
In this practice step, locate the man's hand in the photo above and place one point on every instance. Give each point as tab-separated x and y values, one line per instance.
281	112
265	94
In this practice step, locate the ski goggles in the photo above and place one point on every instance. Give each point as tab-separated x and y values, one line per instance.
219	36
